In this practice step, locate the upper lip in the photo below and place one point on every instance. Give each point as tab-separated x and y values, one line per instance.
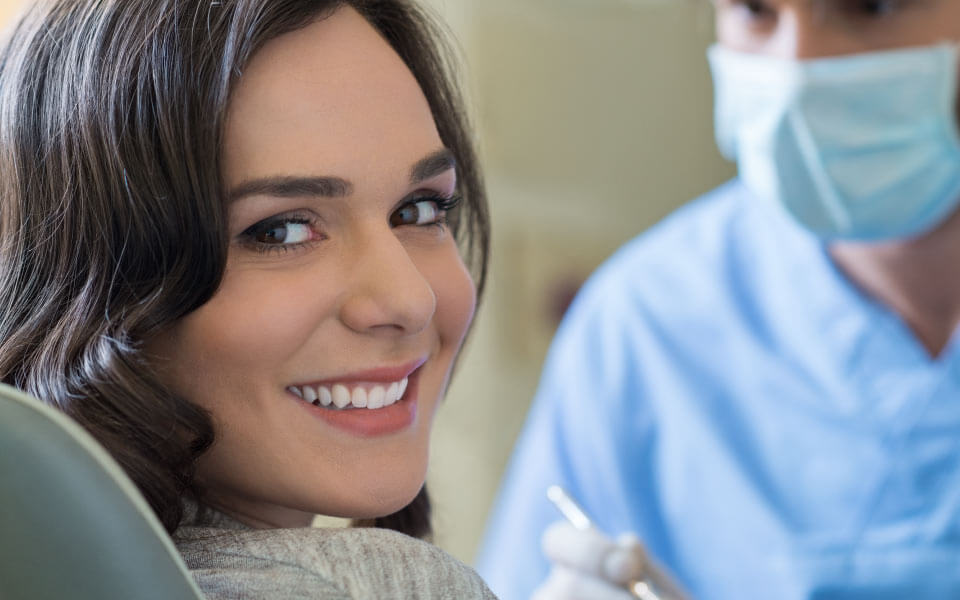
375	375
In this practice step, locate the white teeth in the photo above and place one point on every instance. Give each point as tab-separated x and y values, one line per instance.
341	396
393	393
326	398
376	397
359	397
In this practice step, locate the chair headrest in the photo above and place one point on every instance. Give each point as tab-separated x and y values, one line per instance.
72	524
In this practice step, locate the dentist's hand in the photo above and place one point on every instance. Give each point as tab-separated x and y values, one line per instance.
587	565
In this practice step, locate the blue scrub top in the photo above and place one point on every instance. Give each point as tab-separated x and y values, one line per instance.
770	432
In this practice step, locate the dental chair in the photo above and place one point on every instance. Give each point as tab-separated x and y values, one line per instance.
72	525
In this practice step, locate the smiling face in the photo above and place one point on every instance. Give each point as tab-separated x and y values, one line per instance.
803	29
327	348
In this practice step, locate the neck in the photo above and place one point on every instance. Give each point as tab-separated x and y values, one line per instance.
261	516
919	279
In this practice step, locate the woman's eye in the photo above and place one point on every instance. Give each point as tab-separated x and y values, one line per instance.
281	232
290	233
419	212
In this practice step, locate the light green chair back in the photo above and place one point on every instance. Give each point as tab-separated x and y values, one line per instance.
72	524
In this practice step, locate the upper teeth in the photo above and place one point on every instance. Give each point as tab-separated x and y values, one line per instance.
359	396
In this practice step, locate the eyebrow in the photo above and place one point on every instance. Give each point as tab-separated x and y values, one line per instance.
293	187
439	162
432	165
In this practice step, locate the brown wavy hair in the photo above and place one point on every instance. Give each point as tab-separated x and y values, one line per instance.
113	212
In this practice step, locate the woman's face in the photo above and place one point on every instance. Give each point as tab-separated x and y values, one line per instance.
327	348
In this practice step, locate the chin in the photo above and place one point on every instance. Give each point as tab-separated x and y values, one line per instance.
379	499
389	503
392	487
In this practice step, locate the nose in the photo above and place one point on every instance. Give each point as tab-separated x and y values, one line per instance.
387	294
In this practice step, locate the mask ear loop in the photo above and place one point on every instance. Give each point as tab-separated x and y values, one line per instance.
951	94
950	104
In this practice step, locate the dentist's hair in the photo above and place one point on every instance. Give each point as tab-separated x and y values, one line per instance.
113	213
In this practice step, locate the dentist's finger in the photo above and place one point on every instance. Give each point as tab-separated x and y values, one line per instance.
627	561
592	552
581	549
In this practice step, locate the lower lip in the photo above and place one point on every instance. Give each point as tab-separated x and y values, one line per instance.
364	422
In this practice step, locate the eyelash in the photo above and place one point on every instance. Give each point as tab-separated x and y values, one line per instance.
248	237
444	205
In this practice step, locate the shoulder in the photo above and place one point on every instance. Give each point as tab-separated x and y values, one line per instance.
683	249
717	258
709	278
671	268
347	563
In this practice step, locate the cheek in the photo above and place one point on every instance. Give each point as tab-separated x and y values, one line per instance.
456	298
247	331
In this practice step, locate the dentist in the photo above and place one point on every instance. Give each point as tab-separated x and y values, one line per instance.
765	388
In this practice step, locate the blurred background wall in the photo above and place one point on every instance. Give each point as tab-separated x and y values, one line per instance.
594	121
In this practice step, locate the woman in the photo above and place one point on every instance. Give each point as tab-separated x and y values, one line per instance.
231	241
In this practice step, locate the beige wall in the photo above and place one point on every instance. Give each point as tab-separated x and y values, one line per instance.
594	118
594	121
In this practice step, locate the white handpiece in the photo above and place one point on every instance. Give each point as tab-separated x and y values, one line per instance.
568	508
644	589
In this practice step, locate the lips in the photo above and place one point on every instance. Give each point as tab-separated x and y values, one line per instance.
371	396
373	403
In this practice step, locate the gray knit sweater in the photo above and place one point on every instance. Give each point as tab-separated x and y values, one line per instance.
231	561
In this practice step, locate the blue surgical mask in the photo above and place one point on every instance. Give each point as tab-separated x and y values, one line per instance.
861	147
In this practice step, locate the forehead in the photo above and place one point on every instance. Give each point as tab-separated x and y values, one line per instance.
330	98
